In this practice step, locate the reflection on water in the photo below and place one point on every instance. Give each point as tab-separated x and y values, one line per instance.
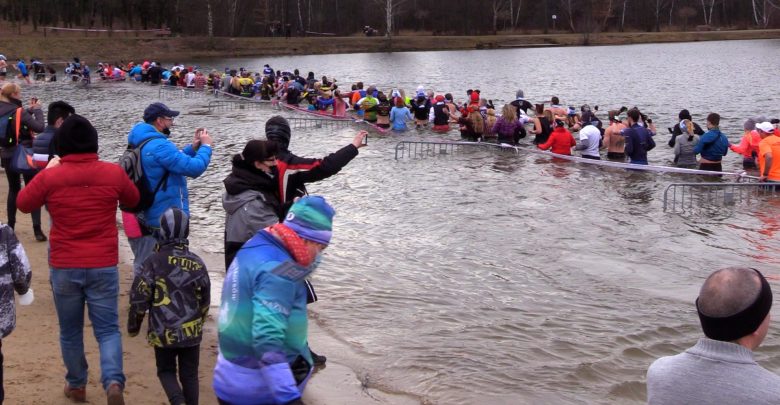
494	277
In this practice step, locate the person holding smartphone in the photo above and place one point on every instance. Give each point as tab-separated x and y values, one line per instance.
31	121
294	172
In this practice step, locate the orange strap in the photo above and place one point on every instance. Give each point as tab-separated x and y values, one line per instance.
18	123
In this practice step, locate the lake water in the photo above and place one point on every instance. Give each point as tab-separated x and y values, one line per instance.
496	278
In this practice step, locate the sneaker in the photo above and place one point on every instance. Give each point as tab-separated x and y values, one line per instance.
76	394
318	360
114	395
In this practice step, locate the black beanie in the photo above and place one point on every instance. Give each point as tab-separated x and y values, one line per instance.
278	129
75	135
684	115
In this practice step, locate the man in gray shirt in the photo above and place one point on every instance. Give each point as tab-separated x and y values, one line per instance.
733	308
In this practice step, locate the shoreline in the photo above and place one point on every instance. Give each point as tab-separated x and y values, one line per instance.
62	48
34	373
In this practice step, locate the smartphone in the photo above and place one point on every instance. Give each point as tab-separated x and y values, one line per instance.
199	132
365	140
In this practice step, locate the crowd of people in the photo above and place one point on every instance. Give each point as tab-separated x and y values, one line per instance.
275	232
274	238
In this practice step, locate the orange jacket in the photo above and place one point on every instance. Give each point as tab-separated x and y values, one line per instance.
748	146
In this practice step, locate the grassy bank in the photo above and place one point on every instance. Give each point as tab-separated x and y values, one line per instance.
62	48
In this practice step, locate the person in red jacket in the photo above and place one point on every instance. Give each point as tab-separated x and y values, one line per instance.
560	141
84	251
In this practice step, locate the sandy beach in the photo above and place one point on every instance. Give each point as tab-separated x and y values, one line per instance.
34	373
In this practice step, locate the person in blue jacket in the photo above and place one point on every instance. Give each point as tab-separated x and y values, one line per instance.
712	146
264	356
165	165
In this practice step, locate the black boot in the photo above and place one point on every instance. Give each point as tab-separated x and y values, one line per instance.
39	236
318	360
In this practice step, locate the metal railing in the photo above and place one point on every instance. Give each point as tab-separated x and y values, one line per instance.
177	93
236	104
686	197
316	123
423	149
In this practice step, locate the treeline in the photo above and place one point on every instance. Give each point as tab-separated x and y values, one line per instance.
348	17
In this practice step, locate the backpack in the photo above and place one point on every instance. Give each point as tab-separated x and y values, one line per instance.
477	122
131	164
10	127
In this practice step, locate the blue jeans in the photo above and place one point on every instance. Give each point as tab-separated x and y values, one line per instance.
99	288
142	248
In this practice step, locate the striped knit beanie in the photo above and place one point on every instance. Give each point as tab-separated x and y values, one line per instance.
311	218
174	225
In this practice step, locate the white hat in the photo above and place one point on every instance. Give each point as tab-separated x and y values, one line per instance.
766	127
2	57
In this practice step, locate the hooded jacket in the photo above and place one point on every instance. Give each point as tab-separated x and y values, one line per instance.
173	285
15	275
82	207
251	203
262	325
159	156
713	145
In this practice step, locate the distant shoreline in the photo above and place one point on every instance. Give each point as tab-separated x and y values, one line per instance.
63	47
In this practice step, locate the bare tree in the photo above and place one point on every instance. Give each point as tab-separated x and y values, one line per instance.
607	14
708	15
671	12
762	10
391	8
514	15
210	18
497	7
659	4
568	8
623	16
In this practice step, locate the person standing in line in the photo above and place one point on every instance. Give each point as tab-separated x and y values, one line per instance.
677	131
590	137
748	145
684	146
84	251
3	68
733	307
166	169
15	275
712	146
639	140
173	285
614	141
32	121
768	153
560	141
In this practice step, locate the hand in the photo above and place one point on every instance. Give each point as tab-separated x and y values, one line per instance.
54	162
205	138
762	178
359	139
34	104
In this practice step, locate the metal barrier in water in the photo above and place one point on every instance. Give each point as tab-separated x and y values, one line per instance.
234	104
177	93
315	123
423	149
686	197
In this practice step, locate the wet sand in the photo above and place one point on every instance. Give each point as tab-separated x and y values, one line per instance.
34	373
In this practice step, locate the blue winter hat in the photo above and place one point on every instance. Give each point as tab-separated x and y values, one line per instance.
311	218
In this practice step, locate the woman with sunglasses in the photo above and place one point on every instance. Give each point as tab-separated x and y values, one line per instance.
251	200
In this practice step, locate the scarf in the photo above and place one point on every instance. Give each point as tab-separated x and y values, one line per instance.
293	243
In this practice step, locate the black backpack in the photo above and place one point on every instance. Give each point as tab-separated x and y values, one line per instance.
131	164
10	128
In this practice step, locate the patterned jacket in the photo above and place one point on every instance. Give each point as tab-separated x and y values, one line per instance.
15	275
173	285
